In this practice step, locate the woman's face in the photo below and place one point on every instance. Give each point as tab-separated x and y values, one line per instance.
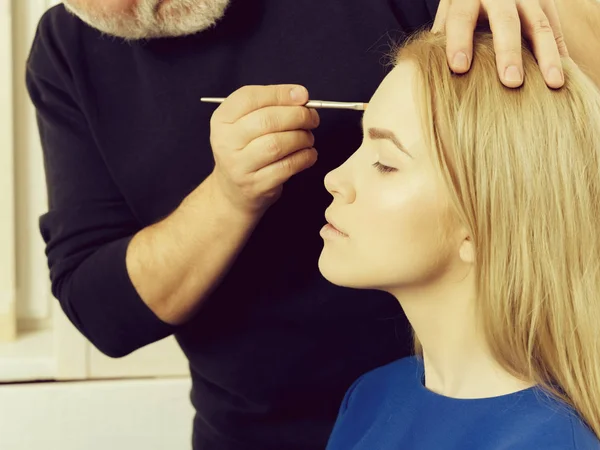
389	201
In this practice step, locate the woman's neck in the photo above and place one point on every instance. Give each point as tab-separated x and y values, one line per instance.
458	361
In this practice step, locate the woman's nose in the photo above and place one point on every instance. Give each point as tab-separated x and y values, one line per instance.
337	183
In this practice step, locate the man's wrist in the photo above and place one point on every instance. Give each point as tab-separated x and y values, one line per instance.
221	208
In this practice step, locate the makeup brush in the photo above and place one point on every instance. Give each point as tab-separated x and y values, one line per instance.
317	104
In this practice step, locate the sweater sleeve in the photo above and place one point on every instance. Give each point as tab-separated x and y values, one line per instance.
88	225
415	15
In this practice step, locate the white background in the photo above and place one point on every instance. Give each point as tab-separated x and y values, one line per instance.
75	397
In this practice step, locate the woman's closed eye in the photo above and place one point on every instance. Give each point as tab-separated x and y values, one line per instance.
383	169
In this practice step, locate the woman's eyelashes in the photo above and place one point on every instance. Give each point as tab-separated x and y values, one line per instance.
383	169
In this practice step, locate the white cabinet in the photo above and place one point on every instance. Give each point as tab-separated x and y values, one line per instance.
77	359
97	415
162	359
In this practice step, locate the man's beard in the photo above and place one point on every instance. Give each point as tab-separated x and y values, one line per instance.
150	19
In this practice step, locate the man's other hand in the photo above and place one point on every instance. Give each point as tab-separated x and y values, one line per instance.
537	20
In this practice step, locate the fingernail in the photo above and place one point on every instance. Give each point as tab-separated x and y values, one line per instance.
298	93
461	62
513	74
555	76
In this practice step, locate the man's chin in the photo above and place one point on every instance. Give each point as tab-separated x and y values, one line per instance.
170	18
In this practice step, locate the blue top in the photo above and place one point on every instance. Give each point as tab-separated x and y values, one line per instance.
390	408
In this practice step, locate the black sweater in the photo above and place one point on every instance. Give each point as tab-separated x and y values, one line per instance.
125	139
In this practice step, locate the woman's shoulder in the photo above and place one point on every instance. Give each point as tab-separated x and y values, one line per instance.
409	368
534	419
562	431
541	418
377	389
583	437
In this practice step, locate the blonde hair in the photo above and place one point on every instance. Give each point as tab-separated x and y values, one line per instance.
523	170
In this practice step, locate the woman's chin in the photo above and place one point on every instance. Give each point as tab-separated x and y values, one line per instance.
336	273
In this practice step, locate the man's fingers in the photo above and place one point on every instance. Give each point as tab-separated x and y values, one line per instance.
460	26
552	14
251	98
537	27
273	147
439	23
274	119
280	171
506	29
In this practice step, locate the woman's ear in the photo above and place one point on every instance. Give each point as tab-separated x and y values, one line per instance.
467	251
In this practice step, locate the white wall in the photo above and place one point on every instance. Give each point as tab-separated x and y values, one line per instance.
69	357
33	301
117	414
7	223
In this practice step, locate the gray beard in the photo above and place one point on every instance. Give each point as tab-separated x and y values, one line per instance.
145	21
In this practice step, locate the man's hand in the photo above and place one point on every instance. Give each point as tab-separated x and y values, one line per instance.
537	20
260	137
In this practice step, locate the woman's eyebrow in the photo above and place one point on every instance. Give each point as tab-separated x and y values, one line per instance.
383	133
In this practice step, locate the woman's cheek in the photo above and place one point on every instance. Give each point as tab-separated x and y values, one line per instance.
414	209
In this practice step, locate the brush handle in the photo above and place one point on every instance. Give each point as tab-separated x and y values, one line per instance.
317	104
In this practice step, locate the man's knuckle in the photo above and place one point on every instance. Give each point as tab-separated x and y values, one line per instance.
541	26
305	116
507	17
262	123
282	95
273	146
560	39
247	91
287	165
215	120
217	147
462	15
216	142
561	43
248	97
269	124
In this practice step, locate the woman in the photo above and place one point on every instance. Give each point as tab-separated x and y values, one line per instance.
478	208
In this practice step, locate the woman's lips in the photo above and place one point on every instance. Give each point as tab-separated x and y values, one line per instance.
329	231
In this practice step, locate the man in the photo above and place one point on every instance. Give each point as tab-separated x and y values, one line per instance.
159	223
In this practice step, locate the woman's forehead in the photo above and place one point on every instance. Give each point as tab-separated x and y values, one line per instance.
393	105
395	94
